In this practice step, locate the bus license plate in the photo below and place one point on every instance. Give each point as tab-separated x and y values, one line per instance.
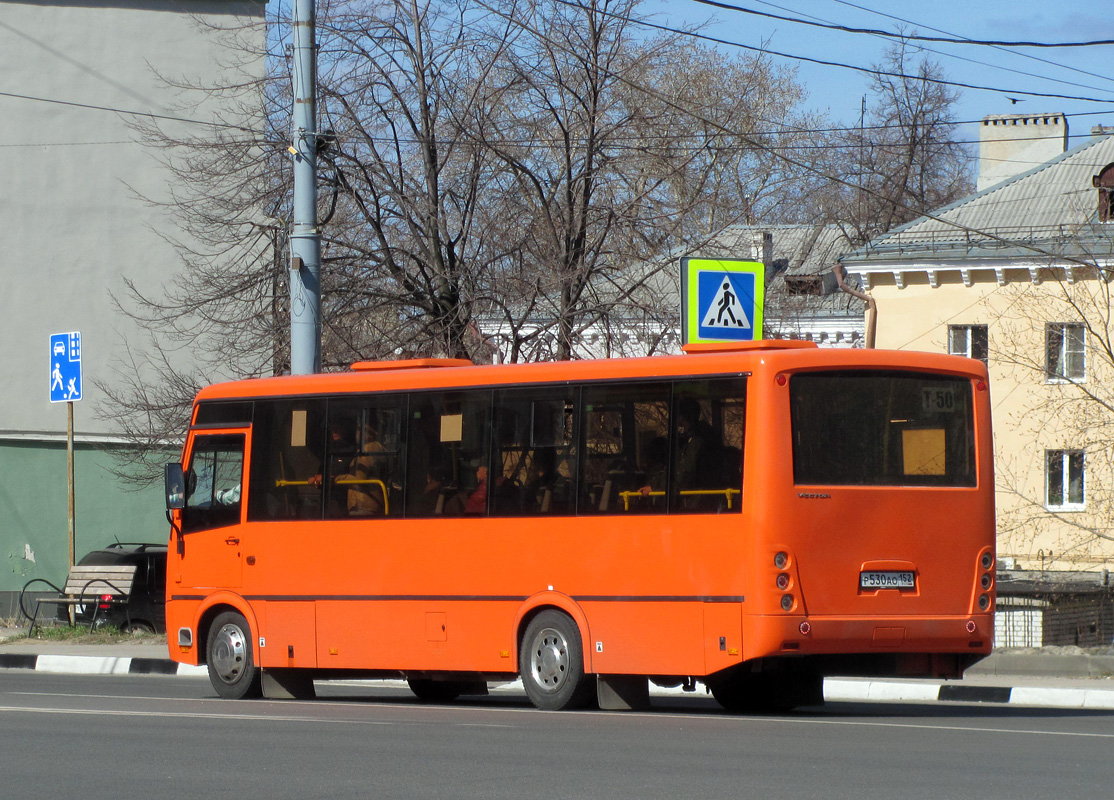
886	580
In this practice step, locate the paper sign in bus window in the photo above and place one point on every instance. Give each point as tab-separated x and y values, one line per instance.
924	451
452	427
298	427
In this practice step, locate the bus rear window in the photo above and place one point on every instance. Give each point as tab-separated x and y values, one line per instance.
882	429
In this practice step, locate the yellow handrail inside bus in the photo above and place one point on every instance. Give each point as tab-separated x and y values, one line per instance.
727	493
346	482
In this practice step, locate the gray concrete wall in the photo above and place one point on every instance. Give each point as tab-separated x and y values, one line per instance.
74	227
73	224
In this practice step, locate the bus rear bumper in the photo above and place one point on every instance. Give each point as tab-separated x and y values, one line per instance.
911	642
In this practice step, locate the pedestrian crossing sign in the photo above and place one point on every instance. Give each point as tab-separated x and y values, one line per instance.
721	300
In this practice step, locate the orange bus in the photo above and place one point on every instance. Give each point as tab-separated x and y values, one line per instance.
751	517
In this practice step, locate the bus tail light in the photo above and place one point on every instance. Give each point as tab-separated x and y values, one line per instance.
785	580
985	585
106	602
971	626
806	628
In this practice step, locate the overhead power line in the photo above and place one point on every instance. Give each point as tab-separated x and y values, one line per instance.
925	26
836	179
825	63
128	112
909	37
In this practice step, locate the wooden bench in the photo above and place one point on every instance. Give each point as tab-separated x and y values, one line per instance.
94	585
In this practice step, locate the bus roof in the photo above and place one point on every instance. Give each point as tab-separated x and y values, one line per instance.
704	358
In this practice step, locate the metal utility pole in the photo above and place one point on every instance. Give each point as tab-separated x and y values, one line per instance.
305	240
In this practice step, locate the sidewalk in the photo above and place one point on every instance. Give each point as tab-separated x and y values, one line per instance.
1066	678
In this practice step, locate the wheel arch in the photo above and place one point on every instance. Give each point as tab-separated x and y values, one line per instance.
553	601
210	609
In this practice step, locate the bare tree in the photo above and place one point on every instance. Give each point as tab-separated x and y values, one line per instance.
415	229
518	167
624	149
905	160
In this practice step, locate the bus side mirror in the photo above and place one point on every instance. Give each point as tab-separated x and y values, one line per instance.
175	480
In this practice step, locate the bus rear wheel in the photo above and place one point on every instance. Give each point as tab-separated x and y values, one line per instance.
551	663
228	655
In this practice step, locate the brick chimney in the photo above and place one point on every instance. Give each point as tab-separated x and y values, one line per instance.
1010	144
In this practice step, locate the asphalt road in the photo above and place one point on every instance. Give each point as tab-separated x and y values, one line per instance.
137	736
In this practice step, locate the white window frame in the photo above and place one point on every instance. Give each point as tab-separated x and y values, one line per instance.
1057	366
1062	460
961	341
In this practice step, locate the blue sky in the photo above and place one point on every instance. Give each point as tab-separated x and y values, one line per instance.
1010	71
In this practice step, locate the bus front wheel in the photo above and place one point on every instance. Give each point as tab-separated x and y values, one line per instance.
228	654
551	663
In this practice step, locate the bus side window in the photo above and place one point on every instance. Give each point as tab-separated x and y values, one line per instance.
364	457
621	425
534	451
447	469
288	442
707	456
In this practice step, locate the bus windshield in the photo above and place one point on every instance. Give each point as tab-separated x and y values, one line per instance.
859	428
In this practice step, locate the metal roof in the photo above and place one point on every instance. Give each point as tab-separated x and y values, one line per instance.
1030	214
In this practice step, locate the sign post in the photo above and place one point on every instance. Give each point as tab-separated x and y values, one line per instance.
721	301
65	387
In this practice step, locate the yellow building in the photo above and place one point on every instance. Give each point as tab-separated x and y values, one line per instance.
1019	275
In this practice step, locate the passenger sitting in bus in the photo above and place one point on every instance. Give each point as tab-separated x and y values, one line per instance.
472	501
546	489
367	497
477	500
339	455
697	455
657	454
432	497
300	469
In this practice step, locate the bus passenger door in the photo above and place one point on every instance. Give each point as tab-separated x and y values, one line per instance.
208	550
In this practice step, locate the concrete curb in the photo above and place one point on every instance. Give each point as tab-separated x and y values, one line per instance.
1042	696
98	665
835	689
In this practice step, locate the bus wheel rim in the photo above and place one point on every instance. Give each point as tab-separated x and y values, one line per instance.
229	653
549	659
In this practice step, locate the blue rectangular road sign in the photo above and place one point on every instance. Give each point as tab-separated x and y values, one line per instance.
65	367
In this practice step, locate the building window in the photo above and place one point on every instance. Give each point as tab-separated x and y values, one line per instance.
1065	485
1063	347
968	340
